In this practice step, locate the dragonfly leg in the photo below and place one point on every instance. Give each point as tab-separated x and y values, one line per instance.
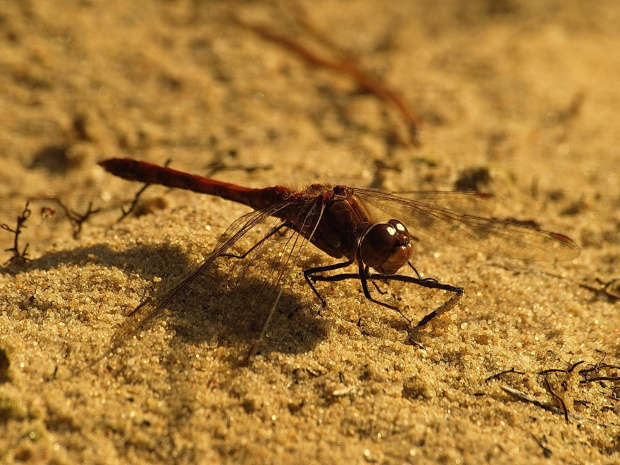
275	230
364	275
414	270
430	283
446	306
374	283
310	273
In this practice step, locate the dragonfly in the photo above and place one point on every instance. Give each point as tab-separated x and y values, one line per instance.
367	228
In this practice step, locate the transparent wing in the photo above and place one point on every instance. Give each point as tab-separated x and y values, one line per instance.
488	235
153	307
289	255
472	203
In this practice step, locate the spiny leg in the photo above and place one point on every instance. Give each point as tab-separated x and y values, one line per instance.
414	270
362	274
310	272
377	288
367	270
430	283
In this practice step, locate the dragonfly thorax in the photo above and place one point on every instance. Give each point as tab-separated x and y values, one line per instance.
386	247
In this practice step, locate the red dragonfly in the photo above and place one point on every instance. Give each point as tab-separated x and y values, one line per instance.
363	226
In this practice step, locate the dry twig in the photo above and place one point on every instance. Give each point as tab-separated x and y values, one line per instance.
345	66
19	256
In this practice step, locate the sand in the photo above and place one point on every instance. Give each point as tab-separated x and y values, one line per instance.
522	93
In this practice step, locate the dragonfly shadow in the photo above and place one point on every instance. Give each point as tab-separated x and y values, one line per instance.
213	310
144	260
216	312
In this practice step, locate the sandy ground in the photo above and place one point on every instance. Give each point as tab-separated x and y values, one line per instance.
524	91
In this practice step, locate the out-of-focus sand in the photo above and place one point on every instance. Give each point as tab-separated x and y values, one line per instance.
526	90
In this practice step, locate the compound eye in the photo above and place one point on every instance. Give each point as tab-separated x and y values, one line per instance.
386	247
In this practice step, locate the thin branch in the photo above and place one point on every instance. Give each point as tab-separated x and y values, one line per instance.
18	256
501	373
346	67
550	408
557	398
76	219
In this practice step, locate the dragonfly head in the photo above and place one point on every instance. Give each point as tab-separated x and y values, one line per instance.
386	247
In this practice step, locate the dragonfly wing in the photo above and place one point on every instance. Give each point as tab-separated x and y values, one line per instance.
308	218
472	203
488	235
153	307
